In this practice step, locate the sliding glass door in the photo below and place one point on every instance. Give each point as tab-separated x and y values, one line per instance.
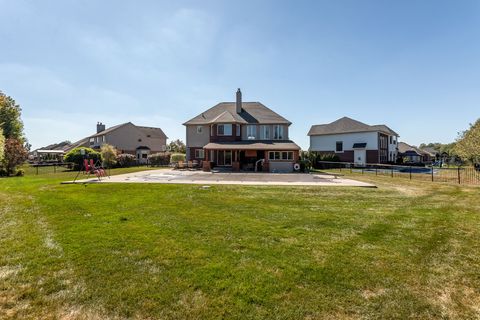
224	157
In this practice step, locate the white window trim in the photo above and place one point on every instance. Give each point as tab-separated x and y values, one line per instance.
280	156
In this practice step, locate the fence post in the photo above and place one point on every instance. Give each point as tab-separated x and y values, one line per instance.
37	169
54	168
392	172
376	171
432	173
458	170
410	172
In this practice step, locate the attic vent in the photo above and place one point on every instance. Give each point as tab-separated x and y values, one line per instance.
148	136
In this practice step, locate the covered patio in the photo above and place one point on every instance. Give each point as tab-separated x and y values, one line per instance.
258	156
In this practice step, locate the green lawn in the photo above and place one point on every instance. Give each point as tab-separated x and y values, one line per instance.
404	250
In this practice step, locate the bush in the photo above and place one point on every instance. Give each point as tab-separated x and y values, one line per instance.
74	156
109	155
176	157
159	159
126	160
20	173
328	157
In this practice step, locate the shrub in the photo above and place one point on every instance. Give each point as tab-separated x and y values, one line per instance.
126	160
159	159
74	156
15	154
328	157
176	157
20	173
109	155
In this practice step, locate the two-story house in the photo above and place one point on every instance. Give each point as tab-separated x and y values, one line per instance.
127	138
243	136
354	141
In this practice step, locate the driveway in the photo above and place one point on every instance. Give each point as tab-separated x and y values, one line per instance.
235	178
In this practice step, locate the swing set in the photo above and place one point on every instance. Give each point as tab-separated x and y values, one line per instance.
91	168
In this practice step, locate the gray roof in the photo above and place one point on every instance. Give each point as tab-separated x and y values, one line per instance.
280	145
225	112
347	125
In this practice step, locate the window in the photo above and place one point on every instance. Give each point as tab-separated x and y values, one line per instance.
144	156
199	154
199	129
280	155
251	132
391	139
339	146
224	130
92	140
278	132
265	132
238	130
103	138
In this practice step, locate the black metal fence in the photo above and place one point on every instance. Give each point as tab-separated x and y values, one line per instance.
459	175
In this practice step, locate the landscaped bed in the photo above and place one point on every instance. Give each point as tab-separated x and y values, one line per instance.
406	249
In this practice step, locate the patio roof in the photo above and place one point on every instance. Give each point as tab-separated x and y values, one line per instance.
253	145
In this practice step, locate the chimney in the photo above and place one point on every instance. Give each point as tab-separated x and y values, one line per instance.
100	127
239	101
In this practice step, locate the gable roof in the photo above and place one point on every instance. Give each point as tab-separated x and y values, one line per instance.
152	132
225	112
347	125
406	148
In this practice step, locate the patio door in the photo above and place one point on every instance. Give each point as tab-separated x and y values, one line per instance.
224	157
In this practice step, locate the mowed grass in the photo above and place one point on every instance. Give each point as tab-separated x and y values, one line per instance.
404	250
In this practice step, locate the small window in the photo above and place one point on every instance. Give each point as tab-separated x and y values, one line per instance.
199	154
149	136
339	146
238	130
103	138
92	140
199	129
144	156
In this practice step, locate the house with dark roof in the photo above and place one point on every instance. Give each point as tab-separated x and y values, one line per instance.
354	141
242	136
410	154
127	138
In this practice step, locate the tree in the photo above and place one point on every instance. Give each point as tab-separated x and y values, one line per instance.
2	145
177	146
10	120
109	155
15	154
468	144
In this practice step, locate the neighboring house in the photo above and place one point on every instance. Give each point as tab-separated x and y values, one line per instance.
412	154
243	136
354	141
127	138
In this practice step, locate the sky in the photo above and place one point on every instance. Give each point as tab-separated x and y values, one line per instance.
412	65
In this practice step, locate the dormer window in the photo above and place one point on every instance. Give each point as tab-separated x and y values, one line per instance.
224	130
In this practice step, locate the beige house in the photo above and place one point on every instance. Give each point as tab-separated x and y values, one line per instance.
127	138
242	136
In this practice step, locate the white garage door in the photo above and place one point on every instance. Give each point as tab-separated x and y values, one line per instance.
281	166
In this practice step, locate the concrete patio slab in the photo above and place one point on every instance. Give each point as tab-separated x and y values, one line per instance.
228	178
